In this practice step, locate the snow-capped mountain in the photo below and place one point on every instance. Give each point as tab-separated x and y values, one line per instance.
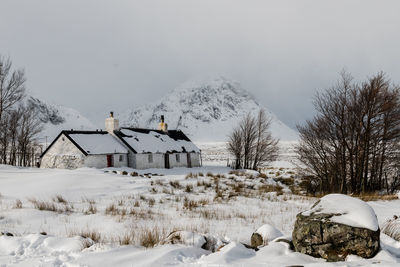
205	111
56	118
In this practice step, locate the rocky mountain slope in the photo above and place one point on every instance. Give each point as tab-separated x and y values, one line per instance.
57	118
205	111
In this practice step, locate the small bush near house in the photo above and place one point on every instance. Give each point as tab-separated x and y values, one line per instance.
134	174
124	173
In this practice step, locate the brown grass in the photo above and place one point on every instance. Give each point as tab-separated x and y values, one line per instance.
94	235
149	238
60	199
175	184
43	205
376	196
266	188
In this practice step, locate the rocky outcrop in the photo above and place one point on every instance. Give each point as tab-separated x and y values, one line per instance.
328	230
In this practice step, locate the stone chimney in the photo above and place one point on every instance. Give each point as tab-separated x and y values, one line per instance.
162	125
112	123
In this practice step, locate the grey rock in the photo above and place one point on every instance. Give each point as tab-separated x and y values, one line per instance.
317	236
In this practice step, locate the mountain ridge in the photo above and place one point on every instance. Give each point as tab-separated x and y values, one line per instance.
208	111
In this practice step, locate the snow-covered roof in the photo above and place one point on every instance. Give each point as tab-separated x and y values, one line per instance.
154	141
93	142
98	142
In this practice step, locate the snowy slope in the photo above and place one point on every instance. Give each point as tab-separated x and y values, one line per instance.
57	118
209	110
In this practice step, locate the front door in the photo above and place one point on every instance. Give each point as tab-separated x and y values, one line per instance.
110	161
189	160
166	158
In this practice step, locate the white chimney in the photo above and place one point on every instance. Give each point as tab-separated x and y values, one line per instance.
112	123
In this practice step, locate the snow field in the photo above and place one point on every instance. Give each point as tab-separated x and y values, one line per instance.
109	218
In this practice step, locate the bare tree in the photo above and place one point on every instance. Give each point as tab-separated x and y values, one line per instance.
266	147
12	85
235	146
19	123
248	128
351	143
252	143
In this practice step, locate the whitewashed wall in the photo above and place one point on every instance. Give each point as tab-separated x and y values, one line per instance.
181	163
63	154
195	157
142	161
100	161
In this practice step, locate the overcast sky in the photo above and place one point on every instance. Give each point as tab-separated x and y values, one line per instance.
97	56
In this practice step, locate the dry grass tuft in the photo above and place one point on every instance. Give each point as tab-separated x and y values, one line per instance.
189	188
266	188
91	209
60	199
149	238
95	236
43	205
18	204
111	210
175	184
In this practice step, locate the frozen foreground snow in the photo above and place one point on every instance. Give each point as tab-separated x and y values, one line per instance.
116	209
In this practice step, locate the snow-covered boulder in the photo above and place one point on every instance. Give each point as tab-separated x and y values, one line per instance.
187	238
263	235
336	226
392	228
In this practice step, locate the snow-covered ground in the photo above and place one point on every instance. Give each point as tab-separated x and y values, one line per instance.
90	217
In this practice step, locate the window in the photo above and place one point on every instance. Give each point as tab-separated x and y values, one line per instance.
178	158
150	157
121	158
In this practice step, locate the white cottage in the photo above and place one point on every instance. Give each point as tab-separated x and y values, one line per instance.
122	147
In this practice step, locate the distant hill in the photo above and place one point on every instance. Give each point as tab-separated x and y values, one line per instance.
208	111
57	118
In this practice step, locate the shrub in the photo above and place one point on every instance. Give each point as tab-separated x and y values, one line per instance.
134	174
124	173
